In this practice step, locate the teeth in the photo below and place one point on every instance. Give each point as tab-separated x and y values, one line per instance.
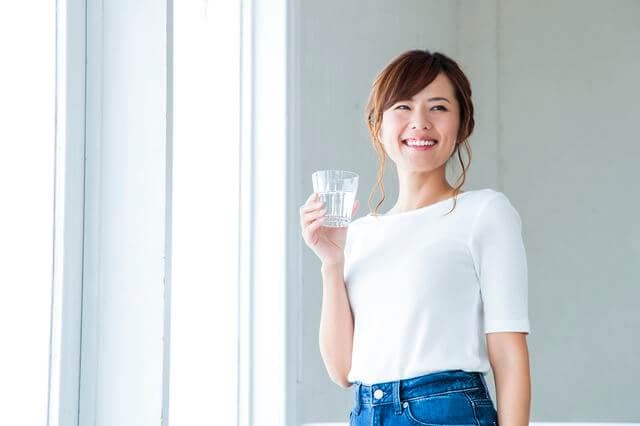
420	143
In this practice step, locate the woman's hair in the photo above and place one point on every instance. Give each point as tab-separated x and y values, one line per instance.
402	78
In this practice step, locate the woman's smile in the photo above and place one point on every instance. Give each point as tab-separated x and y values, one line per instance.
420	144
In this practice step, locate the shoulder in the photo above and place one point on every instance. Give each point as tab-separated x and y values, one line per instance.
494	201
494	210
484	195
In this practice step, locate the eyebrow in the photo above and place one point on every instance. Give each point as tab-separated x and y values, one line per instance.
436	99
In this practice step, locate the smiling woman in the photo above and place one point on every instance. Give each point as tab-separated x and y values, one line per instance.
420	104
421	288
539	95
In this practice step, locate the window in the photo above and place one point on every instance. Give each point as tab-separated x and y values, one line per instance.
205	219
27	158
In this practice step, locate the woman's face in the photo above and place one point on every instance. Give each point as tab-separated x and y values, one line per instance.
432	114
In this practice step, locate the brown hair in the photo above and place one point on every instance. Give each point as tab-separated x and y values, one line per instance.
402	78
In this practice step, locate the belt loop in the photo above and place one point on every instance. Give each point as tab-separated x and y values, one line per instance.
484	383
396	397
356	405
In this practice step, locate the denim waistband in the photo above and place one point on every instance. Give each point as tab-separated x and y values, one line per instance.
429	384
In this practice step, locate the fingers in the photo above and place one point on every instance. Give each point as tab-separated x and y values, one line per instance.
310	232
317	223
314	205
310	223
310	205
312	215
312	197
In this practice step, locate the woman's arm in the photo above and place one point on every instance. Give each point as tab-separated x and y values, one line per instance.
509	358
336	324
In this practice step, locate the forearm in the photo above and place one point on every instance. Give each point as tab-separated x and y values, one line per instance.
336	324
513	392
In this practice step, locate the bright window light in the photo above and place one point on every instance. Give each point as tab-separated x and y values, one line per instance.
204	278
27	147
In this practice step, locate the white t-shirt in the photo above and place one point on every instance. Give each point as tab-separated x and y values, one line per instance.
424	288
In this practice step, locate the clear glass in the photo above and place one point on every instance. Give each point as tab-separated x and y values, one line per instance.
337	189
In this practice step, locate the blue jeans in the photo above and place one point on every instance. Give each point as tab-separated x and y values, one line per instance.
453	397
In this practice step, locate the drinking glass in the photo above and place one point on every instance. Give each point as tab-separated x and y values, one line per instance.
337	190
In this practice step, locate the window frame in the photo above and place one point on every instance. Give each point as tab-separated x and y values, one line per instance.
269	313
66	297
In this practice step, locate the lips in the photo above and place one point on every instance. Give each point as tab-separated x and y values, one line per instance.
430	140
426	138
420	147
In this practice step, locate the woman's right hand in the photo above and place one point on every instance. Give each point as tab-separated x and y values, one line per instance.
326	242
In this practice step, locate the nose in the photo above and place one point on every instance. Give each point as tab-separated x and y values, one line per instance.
422	122
426	125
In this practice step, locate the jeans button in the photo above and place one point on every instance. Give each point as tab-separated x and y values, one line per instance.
378	394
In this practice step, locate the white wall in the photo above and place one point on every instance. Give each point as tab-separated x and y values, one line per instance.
555	89
569	151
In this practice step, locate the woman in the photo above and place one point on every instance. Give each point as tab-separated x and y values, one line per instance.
421	302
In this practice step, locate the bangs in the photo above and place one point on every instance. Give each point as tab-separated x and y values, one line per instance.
408	77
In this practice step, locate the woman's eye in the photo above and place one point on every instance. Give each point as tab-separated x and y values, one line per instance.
442	107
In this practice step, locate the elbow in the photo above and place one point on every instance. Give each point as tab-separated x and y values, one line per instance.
341	381
338	372
339	378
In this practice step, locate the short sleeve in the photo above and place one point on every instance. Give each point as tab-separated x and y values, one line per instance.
347	243
501	264
352	242
348	246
